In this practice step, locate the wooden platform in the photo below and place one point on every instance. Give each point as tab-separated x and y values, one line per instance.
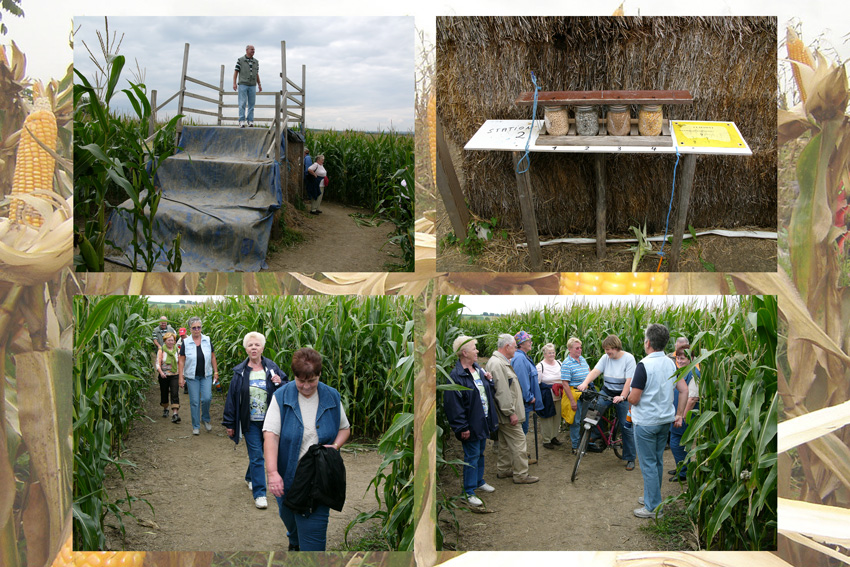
603	139
554	98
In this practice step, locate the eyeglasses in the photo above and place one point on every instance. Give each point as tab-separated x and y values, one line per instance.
196	328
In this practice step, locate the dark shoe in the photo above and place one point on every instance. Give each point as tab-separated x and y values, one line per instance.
671	471
165	413
294	547
630	466
175	418
319	212
525	479
555	441
178	419
574	450
314	212
548	446
504	474
674	478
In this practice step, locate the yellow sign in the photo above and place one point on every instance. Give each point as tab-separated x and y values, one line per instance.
708	134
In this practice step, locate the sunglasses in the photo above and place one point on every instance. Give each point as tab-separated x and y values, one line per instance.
196	328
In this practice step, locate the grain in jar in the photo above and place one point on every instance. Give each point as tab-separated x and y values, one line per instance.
556	120
587	121
649	120
619	120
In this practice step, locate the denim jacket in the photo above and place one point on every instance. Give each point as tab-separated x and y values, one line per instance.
192	357
527	374
292	426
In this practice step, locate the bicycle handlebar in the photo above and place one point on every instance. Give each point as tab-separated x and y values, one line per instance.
591	395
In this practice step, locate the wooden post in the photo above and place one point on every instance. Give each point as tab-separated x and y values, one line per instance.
303	114
277	127
529	221
283	128
152	120
599	166
220	95
686	181
449	186
182	88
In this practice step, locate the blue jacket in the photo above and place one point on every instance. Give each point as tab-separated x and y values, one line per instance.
464	409
527	374
237	407
192	357
292	427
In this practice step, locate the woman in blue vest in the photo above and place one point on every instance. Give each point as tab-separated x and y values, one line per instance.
197	366
303	412
692	380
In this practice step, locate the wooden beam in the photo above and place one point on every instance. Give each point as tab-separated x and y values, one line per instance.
605	97
529	221
449	186
686	182
601	233
182	89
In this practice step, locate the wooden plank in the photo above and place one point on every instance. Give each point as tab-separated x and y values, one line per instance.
685	184
203	98
529	221
182	90
601	236
607	141
196	111
449	186
203	84
605	97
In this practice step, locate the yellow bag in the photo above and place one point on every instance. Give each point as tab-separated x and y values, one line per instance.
567	411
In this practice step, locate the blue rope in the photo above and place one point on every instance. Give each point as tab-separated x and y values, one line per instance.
528	140
670	208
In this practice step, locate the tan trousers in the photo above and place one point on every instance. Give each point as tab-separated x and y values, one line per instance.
317	202
513	454
549	426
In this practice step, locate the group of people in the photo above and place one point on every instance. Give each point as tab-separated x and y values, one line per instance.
499	399
246	82
293	429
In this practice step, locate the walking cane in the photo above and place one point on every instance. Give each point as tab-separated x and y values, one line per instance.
536	454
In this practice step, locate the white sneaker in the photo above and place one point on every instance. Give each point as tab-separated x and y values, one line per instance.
250	486
250	124
196	431
207	426
473	500
486	488
261	502
640	500
241	124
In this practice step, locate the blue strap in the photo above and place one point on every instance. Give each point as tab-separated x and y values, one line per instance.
667	224
528	140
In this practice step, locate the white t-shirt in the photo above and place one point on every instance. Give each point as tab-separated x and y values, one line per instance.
693	387
616	372
549	374
319	169
479	383
309	407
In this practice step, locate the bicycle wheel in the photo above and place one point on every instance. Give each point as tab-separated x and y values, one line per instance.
582	448
617	441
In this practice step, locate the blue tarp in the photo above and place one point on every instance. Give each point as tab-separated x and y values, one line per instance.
219	193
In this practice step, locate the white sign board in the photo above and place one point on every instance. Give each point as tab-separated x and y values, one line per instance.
512	135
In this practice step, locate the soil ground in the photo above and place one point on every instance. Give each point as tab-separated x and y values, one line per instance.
593	513
333	242
197	489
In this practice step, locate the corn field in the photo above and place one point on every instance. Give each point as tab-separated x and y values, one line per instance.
731	495
367	345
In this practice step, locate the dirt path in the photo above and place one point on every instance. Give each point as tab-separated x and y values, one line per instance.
195	485
335	243
593	513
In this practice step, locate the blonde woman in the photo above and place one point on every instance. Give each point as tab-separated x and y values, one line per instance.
549	374
166	367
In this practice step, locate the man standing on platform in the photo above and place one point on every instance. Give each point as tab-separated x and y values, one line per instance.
247	73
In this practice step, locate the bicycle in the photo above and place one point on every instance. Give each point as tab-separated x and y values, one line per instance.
606	426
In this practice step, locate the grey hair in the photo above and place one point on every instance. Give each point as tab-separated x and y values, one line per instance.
657	335
549	346
254	335
320	156
462	343
504	340
249	46
192	320
163	318
682	341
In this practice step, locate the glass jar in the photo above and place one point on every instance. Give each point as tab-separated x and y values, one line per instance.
649	120
587	121
619	120
556	120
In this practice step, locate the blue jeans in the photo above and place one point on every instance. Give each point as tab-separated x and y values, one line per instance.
247	95
200	394
679	452
309	533
256	472
473	472
575	426
625	432
650	441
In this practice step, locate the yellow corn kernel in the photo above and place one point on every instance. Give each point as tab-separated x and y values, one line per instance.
34	166
69	558
618	283
797	51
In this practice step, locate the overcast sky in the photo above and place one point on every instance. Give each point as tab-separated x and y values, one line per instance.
359	69
504	304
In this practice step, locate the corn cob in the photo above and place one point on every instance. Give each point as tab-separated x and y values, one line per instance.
34	167
432	132
619	11
797	51
69	558
619	283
